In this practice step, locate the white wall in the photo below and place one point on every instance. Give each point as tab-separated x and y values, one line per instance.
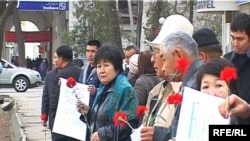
31	49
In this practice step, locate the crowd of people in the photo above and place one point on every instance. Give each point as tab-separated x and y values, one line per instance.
39	64
150	77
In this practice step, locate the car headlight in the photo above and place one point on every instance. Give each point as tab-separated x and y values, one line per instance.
37	74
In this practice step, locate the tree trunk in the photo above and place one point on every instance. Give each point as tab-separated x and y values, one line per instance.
113	16
2	6
5	13
19	35
191	10
131	18
139	23
156	17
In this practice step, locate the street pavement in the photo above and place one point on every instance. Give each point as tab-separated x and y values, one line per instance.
28	109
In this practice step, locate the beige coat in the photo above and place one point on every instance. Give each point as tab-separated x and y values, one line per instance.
166	112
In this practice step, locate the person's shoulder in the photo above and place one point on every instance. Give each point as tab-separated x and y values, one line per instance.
121	78
228	55
78	61
143	78
158	86
74	67
85	66
52	72
122	82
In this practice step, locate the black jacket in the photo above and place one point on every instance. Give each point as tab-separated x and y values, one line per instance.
243	70
47	97
70	70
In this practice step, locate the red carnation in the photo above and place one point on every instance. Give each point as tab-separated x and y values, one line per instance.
141	110
228	74
71	82
44	117
182	65
175	99
120	119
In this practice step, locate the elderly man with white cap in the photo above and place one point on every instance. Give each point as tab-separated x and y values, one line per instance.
159	120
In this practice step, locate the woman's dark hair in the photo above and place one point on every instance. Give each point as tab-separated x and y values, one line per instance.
145	66
214	67
65	52
111	53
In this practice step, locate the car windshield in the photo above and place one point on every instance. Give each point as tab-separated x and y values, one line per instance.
7	64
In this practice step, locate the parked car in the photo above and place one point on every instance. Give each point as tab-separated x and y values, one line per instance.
19	78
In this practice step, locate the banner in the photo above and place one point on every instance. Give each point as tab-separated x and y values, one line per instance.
67	120
198	111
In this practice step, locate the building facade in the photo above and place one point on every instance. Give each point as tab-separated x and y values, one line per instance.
228	9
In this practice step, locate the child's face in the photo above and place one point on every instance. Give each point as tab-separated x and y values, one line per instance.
212	85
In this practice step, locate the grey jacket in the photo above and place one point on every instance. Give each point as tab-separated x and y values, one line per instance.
143	85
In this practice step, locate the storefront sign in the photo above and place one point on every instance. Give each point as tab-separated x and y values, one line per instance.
216	5
43	5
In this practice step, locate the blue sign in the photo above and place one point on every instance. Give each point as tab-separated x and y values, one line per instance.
43	6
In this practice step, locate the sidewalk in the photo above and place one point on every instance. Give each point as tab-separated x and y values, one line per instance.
25	119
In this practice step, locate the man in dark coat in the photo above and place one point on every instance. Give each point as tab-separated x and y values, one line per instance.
240	56
47	97
208	45
64	69
88	74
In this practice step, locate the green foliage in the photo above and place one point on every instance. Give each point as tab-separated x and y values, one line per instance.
92	23
159	9
165	8
211	21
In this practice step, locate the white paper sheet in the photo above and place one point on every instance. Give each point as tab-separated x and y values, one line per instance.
198	111
136	135
67	120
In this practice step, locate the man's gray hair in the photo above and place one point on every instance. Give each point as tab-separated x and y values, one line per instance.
183	41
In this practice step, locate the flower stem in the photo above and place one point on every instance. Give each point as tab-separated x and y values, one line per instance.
127	124
229	94
85	118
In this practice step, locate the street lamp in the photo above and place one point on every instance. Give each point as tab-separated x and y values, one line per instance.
161	20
